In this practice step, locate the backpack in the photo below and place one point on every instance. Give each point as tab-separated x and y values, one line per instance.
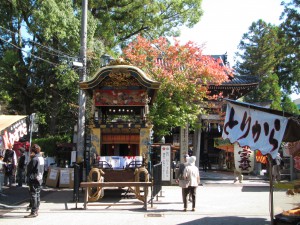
9	156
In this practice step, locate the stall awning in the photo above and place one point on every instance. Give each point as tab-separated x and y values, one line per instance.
223	144
9	120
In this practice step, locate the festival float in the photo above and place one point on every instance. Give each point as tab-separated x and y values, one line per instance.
119	128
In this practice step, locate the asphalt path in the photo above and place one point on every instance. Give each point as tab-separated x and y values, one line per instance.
218	203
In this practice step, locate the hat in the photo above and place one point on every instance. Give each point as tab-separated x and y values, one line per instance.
192	160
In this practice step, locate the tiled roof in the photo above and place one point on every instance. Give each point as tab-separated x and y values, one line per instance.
242	79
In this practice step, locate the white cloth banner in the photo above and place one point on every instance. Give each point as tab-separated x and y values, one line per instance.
254	128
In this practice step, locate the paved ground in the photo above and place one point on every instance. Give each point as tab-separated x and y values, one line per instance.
219	202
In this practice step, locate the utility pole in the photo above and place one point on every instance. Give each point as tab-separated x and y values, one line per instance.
82	96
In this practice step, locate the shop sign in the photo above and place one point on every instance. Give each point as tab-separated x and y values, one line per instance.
13	133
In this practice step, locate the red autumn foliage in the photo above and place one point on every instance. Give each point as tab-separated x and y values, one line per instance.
179	65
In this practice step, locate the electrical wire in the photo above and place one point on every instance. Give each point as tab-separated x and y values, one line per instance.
58	53
29	53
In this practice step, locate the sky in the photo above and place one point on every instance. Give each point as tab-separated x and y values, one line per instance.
225	21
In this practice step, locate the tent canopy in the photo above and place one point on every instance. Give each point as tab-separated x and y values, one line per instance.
8	120
223	144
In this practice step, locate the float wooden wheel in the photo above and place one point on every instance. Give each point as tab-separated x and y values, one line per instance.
141	175
94	193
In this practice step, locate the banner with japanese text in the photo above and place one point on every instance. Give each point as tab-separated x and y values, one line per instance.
166	162
254	128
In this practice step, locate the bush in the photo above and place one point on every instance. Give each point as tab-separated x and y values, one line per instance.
49	144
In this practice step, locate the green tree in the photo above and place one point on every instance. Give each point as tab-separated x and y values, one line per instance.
264	53
289	67
120	21
39	39
259	54
288	105
35	71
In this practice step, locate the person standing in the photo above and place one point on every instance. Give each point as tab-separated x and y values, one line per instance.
35	170
180	177
205	162
191	174
10	161
21	167
276	168
1	171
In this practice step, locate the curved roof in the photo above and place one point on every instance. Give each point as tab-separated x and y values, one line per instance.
120	74
104	72
235	87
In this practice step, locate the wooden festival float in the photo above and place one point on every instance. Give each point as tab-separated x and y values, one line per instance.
119	129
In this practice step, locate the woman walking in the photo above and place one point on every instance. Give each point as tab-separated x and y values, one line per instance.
191	174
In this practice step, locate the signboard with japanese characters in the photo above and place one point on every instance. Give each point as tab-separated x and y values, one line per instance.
254	128
166	162
243	159
184	141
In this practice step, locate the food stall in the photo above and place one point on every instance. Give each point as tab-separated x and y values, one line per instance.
287	193
265	130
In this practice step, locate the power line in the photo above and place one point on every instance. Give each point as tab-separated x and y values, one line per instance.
29	53
58	53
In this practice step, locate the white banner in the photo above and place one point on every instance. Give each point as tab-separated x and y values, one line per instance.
166	162
254	128
243	159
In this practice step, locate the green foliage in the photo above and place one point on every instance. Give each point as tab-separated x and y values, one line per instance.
49	144
40	39
289	67
261	54
120	21
289	106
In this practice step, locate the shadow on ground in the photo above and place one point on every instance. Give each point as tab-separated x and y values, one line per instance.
227	220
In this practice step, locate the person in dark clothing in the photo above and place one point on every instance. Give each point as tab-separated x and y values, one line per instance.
9	166
35	170
21	167
205	162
